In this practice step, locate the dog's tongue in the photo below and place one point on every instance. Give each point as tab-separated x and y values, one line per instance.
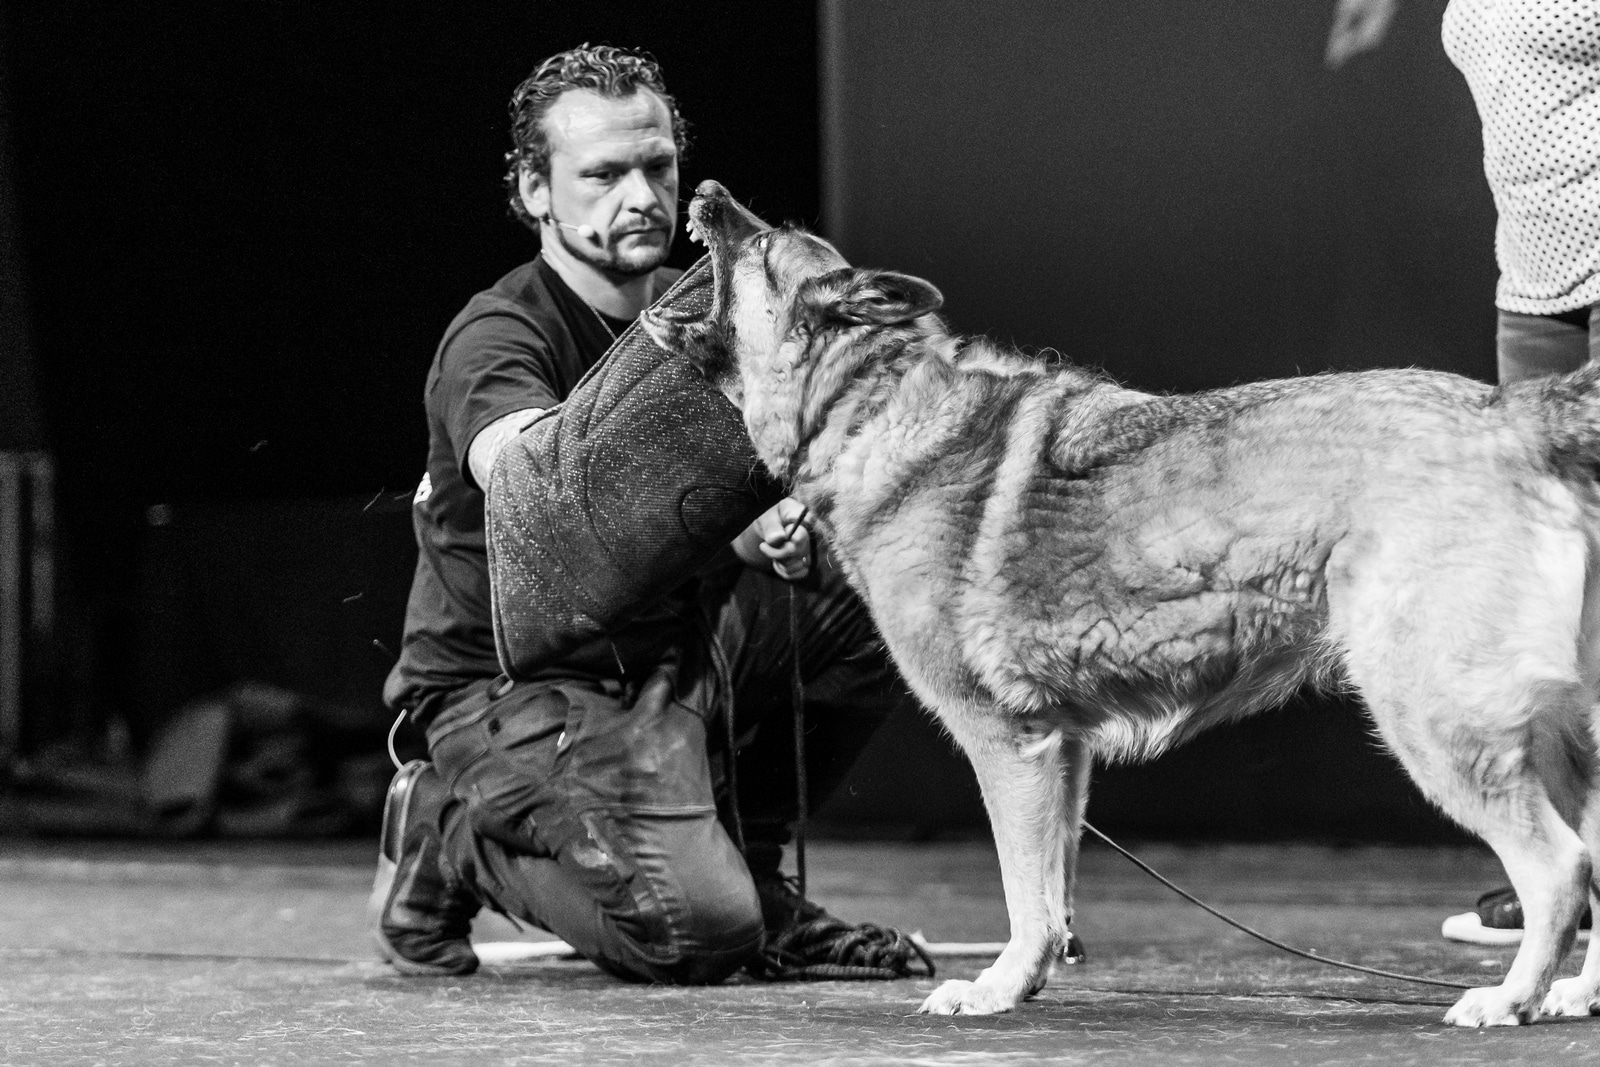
617	496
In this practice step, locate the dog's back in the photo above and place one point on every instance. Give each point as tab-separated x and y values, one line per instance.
1084	538
1567	408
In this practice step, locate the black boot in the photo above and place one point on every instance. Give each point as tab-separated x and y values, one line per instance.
421	915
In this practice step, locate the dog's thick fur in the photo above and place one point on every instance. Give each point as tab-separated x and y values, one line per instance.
1065	569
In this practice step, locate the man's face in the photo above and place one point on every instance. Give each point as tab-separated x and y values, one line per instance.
613	167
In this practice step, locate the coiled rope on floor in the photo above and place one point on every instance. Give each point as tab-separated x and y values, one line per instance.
826	949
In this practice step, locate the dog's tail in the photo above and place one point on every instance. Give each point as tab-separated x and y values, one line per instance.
1568	408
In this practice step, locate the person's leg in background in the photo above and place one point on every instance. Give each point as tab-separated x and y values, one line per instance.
1530	346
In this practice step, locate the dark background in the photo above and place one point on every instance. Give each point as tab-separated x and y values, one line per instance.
233	234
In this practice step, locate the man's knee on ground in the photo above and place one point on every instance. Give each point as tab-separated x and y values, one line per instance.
715	921
705	937
674	891
717	940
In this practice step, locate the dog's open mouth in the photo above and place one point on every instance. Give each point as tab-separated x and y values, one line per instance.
718	221
722	225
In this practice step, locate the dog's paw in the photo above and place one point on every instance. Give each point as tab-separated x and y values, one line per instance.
1490	1006
957	997
1572	996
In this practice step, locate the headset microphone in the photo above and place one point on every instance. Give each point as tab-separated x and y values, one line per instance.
587	233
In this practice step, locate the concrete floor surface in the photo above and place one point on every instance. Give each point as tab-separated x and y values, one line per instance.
257	954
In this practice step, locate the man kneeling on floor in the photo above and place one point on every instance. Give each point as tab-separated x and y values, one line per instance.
521	808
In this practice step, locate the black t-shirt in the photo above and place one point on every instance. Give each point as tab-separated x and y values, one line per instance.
524	343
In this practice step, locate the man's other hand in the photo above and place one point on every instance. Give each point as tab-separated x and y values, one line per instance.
778	538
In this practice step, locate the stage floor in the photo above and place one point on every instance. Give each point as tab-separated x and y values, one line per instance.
257	954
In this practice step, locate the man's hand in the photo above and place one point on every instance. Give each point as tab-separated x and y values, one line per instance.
780	539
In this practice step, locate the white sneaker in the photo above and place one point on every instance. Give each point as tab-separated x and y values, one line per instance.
1469	929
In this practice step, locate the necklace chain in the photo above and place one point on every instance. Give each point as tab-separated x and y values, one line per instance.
601	319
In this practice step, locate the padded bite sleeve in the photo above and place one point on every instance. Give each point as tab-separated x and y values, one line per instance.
617	495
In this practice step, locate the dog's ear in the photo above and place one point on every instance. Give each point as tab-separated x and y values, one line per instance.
701	342
865	297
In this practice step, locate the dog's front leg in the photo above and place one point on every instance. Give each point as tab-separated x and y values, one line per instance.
1034	782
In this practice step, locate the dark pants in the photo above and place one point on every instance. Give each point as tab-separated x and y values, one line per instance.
1529	346
589	807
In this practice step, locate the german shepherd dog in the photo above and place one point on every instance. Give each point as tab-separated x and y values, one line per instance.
1064	569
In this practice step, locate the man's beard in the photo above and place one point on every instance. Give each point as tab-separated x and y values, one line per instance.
640	261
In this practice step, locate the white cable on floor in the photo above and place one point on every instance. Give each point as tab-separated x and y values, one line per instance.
492	953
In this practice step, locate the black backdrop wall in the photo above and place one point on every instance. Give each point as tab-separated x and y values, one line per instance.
20	422
243	227
247	223
1181	192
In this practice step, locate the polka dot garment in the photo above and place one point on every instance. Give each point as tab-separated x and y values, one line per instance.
1534	70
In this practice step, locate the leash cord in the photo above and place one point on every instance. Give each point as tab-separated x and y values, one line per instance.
817	947
797	700
1259	936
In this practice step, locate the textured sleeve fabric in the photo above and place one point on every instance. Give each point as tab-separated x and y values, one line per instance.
641	476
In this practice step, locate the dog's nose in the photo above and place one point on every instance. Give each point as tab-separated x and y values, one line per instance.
709	189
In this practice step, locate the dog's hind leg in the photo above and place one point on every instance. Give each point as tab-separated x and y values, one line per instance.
1550	870
1471	658
1510	779
1581	995
1513	779
1534	776
1035	784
